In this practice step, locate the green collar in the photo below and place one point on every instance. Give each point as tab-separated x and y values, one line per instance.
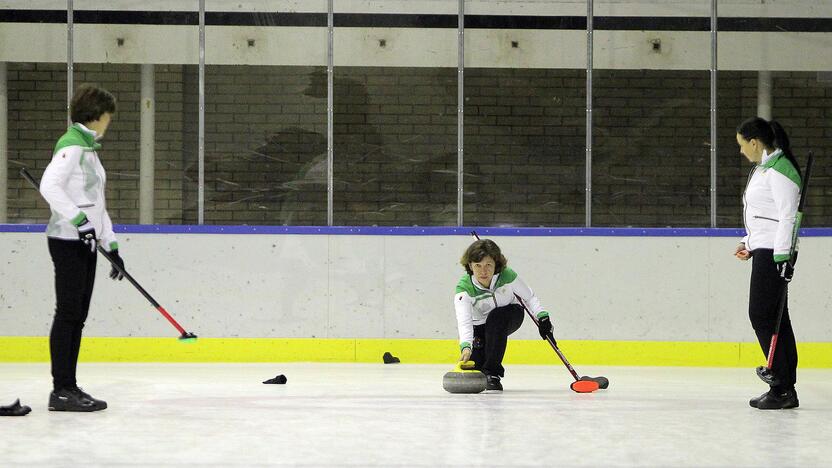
780	163
85	135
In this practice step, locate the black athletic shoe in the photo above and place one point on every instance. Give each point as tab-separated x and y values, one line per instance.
753	402
492	383
73	399
772	400
101	404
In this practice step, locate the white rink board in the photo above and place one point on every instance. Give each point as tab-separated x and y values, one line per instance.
375	286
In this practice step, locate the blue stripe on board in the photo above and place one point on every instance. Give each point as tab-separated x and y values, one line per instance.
421	231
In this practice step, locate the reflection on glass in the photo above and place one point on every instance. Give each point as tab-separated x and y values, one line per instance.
395	146
524	147
265	145
651	151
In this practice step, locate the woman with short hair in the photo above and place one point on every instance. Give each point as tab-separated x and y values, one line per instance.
73	185
487	311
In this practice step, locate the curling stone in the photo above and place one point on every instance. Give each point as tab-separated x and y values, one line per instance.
464	379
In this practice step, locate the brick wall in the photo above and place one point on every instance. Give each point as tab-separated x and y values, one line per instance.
37	118
395	144
803	105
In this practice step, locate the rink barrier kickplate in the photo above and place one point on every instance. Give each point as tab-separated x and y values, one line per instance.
410	351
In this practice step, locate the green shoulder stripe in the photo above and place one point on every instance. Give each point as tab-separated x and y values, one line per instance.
782	165
506	276
465	285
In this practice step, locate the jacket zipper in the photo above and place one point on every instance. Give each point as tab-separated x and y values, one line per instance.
767	219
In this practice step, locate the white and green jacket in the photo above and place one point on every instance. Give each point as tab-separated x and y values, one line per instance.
770	205
473	302
73	185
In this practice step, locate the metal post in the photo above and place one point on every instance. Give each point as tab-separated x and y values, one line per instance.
764	85
330	115
201	142
713	109
147	156
70	58
590	13
4	143
460	111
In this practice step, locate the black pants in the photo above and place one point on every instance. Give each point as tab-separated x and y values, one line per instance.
764	300
491	338
74	280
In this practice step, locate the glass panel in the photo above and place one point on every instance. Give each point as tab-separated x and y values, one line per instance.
524	147
771	66
651	152
525	115
120	146
265	118
265	144
127	36
175	155
37	117
802	104
395	106
395	146
737	101
184	176
651	160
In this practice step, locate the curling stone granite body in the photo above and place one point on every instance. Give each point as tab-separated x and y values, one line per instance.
457	381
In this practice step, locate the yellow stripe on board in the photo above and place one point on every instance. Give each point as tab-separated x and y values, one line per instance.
413	351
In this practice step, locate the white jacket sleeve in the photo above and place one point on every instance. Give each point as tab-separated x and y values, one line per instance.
464	306
53	183
108	237
525	292
786	196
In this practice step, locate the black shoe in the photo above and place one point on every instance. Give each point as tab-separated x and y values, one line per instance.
492	382
101	404
753	402
784	400
74	399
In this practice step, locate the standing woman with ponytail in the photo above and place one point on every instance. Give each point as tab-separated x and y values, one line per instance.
769	209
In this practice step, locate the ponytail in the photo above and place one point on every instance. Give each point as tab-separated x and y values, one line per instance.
781	141
771	134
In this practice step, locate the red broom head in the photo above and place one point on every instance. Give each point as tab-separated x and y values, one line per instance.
584	386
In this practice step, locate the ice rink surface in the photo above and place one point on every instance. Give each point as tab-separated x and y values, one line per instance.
398	415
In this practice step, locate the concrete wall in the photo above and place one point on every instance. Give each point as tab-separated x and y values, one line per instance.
417	47
343	286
